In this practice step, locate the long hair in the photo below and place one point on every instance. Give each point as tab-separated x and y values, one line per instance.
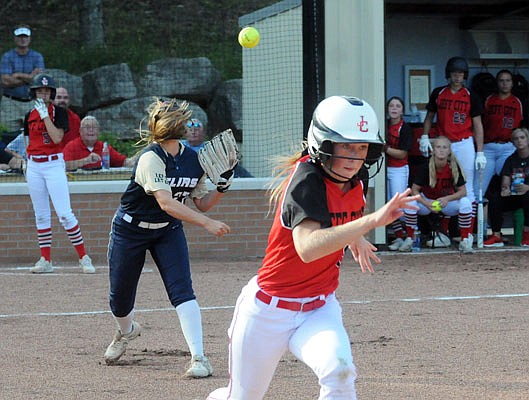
166	121
452	162
280	173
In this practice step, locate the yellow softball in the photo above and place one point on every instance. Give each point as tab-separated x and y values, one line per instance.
249	37
436	206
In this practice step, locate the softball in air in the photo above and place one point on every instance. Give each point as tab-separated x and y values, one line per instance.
249	37
436	206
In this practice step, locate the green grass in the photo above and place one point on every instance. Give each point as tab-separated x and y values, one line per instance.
136	32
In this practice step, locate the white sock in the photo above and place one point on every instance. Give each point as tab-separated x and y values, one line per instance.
125	323
191	324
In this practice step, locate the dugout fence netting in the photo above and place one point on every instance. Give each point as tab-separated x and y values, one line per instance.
257	92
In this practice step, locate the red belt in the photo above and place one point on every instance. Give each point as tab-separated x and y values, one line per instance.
291	305
44	158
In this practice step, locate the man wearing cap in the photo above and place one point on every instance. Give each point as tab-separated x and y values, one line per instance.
18	67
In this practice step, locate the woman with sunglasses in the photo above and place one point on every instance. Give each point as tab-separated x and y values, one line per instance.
195	134
150	217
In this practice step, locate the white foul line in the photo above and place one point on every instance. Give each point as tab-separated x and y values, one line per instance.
403	300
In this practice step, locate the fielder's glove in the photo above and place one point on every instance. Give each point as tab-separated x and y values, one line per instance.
424	145
41	107
218	159
481	160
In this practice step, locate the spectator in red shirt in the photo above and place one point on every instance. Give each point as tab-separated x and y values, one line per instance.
85	151
62	99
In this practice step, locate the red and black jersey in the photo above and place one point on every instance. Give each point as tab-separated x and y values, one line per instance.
501	117
445	181
399	136
308	195
454	111
40	142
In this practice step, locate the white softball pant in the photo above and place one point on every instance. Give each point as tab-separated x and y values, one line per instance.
466	155
261	333
496	154
48	180
454	207
397	178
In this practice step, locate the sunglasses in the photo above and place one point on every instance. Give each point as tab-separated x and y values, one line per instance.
191	124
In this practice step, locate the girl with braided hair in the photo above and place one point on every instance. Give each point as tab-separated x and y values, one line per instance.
441	180
150	217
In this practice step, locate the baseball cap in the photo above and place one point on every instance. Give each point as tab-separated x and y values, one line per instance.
22	31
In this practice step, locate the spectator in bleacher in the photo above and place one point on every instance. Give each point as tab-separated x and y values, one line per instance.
18	145
398	143
195	138
18	67
9	160
62	99
514	192
441	180
195	134
503	113
86	151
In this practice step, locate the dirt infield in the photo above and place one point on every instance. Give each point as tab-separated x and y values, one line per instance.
427	326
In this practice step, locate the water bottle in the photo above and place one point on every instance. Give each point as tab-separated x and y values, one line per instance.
416	244
517	179
105	157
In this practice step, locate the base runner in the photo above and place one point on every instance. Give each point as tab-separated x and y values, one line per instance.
291	303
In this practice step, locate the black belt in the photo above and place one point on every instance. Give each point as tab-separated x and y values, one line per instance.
17	98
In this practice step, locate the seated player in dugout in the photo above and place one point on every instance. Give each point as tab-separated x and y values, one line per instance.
442	181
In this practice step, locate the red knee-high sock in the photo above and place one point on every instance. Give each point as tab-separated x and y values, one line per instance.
445	224
77	240
465	224
474	213
397	229
44	236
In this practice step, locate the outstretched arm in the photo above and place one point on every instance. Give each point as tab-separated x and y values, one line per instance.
312	242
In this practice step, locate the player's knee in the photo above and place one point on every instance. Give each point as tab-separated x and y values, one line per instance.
339	379
68	220
43	221
342	372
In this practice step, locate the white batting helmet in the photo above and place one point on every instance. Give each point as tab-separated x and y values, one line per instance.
343	119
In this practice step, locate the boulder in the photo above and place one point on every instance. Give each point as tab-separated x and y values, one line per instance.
194	79
124	119
108	85
225	109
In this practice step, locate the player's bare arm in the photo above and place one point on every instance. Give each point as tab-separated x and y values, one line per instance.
312	242
428	121
461	191
477	127
396	153
180	211
208	201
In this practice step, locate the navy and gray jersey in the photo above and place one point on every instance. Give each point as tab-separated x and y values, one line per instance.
158	170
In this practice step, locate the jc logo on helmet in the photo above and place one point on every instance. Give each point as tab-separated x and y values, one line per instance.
362	125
